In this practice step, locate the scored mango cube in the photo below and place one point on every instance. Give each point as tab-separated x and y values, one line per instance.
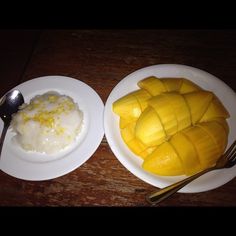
215	109
127	107
187	153
152	85
164	161
149	129
188	86
172	84
198	103
164	110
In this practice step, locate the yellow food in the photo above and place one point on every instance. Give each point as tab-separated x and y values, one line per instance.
215	110
171	84
198	102
164	111
180	109
131	106
152	86
175	126
164	161
149	128
186	152
188	87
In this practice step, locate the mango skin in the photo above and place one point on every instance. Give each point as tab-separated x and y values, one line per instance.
173	125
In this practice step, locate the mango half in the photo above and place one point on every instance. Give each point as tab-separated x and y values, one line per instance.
175	126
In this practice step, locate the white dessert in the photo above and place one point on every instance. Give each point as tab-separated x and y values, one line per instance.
48	124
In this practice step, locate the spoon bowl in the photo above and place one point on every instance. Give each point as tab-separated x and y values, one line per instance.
9	104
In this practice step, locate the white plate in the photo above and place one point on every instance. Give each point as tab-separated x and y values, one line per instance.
133	163
32	166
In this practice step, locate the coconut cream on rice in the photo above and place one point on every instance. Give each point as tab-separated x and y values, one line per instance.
50	123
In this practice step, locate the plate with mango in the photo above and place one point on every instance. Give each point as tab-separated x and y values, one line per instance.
166	122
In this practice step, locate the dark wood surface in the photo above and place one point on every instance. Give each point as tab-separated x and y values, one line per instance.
101	58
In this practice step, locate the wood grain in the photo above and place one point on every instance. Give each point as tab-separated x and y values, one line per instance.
101	58
16	47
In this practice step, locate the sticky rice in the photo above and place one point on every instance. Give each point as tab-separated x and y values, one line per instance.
50	123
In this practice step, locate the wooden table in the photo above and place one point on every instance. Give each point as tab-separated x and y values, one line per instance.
101	58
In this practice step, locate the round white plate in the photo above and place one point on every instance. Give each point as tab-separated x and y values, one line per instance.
133	163
34	166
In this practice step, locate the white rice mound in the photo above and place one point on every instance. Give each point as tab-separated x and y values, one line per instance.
48	124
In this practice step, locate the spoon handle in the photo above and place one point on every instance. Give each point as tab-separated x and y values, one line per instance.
166	192
4	131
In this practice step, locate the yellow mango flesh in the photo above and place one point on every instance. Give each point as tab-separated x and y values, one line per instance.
163	161
127	133
207	150
188	86
152	85
172	84
149	129
187	153
165	112
215	109
131	141
198	103
127	107
176	128
130	107
147	152
137	147
180	109
142	97
223	123
124	122
217	133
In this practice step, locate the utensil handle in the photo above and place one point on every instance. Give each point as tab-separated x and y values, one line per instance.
166	192
4	131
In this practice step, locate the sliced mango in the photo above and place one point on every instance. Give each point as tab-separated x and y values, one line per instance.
180	109
198	103
217	133
164	161
187	153
144	154
128	106
215	109
188	86
161	104
207	150
223	123
124	122
153	85
173	125
172	84
136	146
128	132
142	97
149	129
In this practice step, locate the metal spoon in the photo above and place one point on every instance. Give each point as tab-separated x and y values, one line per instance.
9	104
